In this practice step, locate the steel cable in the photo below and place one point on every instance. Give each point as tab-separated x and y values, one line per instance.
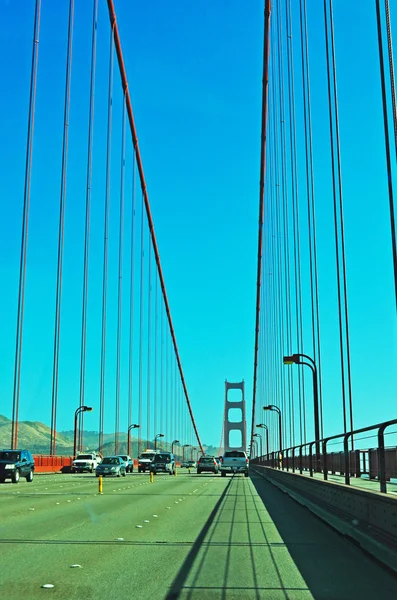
120	282
105	244
387	147
266	50
83	343
25	228
61	230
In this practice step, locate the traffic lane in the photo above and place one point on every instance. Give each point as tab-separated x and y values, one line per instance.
79	514
239	554
331	565
146	559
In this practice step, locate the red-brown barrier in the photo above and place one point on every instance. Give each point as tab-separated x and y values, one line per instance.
51	464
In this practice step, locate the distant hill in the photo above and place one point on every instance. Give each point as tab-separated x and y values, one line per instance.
35	436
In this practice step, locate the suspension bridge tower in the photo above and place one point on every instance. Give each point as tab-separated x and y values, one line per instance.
237	424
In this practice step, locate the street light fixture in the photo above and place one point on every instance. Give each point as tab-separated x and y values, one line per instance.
295	359
280	427
79	410
253	447
156	437
172	445
263	426
260	440
133	426
183	451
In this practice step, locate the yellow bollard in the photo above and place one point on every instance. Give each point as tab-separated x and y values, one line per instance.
175	472
100	484
188	470
151	477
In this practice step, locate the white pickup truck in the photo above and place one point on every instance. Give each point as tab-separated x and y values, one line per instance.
86	462
234	461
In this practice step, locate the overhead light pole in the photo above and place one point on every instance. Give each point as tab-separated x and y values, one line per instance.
79	410
183	451
133	426
172	445
263	426
280	427
254	448
156	437
309	362
257	435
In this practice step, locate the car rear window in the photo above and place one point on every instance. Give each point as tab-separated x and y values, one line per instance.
206	460
234	454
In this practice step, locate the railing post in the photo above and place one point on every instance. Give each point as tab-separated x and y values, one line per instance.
311	458
293	459
346	451
300	459
325	465
382	459
287	459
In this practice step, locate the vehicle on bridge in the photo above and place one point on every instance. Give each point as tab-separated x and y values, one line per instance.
145	460
234	461
129	463
163	462
86	462
207	464
15	464
111	465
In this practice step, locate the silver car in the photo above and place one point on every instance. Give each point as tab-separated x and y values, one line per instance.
111	465
129	463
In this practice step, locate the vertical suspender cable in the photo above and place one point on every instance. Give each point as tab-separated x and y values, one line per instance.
295	211
161	424
391	71
105	246
342	226
132	303
156	335
25	227
338	208
88	206
312	233
120	284
387	147
265	81
141	332
61	227
149	344
123	75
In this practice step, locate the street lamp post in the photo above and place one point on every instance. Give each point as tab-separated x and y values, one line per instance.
172	445
156	437
260	441
183	451
79	410
254	448
296	359
263	426
280	427
133	426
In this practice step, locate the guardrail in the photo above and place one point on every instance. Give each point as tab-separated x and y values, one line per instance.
378	463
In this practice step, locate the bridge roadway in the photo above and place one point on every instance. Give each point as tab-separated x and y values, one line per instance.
188	536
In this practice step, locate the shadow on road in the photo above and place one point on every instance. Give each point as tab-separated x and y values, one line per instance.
332	567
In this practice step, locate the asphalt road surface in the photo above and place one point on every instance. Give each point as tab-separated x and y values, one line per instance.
184	537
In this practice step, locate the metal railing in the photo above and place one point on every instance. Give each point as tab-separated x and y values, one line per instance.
377	462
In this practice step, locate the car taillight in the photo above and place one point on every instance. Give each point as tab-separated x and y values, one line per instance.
246	460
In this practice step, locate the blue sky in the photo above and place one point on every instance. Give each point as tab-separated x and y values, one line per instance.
194	73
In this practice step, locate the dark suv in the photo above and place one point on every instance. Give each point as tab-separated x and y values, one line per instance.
15	464
207	463
163	462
